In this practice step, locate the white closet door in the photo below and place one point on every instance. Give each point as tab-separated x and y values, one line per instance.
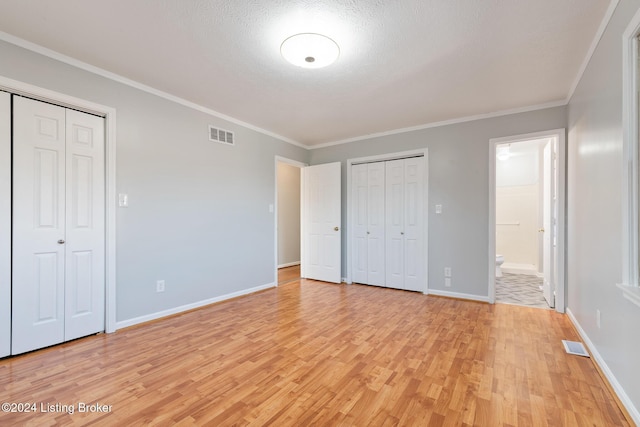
58	225
5	224
395	224
85	224
322	243
360	199
376	224
38	225
413	224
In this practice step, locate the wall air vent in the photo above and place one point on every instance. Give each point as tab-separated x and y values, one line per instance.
221	135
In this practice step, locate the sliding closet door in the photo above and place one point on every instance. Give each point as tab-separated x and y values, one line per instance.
58	225
5	224
38	225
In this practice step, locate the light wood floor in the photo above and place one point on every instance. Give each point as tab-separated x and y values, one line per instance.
288	274
310	353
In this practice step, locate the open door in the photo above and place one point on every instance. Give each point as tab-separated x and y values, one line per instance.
321	223
548	224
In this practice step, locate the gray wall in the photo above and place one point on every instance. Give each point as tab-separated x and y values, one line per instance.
198	212
595	163
288	214
459	180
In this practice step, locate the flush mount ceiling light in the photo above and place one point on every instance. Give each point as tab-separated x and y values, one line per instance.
310	50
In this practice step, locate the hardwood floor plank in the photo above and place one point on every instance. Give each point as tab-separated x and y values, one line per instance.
311	353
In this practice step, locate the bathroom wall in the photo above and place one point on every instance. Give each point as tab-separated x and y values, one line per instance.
517	208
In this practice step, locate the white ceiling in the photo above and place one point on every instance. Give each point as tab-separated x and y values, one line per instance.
402	64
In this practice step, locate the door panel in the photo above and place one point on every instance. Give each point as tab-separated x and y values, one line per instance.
394	223
38	210
5	224
85	224
360	195
322	222
413	224
376	224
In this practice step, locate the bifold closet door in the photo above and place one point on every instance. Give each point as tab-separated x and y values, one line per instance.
58	225
404	224
368	195
5	224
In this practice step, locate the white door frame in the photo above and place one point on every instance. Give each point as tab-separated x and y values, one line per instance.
561	173
381	158
109	114
279	159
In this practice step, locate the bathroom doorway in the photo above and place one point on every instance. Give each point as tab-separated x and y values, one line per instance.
287	212
526	220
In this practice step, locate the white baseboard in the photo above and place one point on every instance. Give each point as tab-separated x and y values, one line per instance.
617	388
513	268
289	264
187	307
457	295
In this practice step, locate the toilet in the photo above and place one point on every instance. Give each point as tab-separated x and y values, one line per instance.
499	261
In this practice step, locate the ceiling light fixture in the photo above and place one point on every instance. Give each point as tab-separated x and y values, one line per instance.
310	50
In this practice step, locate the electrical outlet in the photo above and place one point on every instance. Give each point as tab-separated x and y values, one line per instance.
447	282
598	318
160	286
447	272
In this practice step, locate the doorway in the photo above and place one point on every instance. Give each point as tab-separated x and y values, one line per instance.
287	219
527	220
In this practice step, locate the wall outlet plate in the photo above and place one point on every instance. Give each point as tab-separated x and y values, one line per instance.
160	286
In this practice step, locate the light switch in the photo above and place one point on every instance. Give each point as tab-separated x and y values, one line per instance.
123	200
438	209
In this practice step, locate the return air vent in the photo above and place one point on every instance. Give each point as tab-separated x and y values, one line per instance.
221	135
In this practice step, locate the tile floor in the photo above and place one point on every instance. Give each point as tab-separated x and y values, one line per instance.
520	289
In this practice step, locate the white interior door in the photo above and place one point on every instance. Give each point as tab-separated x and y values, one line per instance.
322	242
38	225
85	225
58	225
394	212
360	223
413	223
376	224
548	285
5	224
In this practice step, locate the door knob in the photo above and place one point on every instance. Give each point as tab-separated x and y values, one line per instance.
61	242
336	228
402	233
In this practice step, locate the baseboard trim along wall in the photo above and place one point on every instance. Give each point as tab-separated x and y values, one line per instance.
615	385
289	264
458	295
187	307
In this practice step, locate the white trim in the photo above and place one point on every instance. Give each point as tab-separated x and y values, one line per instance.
187	307
288	264
617	388
594	44
109	115
280	159
5	224
443	123
459	295
630	218
137	85
385	157
559	135
631	293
